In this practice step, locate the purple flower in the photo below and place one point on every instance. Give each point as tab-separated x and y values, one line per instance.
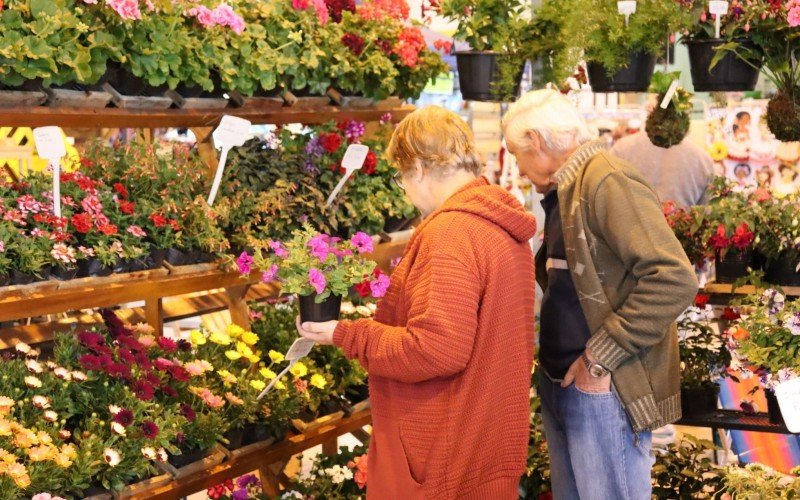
386	118
354	130
278	249
270	274
310	168
379	286
317	280
244	262
241	494
314	148
362	242
247	480
319	247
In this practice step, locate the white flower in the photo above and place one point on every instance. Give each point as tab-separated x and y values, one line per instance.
114	409
62	373
364	311
33	366
79	377
118	428
111	456
51	365
33	382
348	308
161	455
50	416
149	453
22	347
34	353
41	402
292	494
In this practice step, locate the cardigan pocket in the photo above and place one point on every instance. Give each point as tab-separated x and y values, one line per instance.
417	445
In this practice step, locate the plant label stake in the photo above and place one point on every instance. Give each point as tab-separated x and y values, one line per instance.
718	9
670	93
232	132
299	350
626	8
50	146
788	394
353	160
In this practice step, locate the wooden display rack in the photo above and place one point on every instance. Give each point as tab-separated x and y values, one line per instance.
171	294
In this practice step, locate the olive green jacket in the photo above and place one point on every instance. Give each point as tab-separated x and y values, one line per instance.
632	277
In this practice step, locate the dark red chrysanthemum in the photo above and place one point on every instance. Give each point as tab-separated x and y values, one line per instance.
91	339
150	429
180	374
124	417
168	345
113	323
90	362
143	390
169	391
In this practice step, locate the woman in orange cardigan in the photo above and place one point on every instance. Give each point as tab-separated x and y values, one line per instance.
449	352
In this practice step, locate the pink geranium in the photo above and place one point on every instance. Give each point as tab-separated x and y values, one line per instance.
224	15
317	280
322	11
300	4
127	9
137	231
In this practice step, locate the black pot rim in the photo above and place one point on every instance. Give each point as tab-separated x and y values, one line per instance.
478	53
713	41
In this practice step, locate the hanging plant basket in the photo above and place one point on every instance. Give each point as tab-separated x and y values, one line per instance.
731	74
635	77
327	310
783	117
733	266
477	71
697	401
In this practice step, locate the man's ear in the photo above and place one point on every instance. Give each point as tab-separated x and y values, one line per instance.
534	140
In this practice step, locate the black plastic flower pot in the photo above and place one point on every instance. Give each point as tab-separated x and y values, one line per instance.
782	271
733	266
65	273
86	87
477	72
21	278
134	265
255	433
193	91
128	84
358	393
773	408
698	401
5	279
731	74
176	257
234	438
635	77
327	310
157	257
186	457
95	489
93	267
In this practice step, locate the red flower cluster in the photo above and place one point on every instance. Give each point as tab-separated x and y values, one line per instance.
743	237
353	42
330	142
220	490
385	46
719	240
120	189
337	7
701	300
370	163
409	44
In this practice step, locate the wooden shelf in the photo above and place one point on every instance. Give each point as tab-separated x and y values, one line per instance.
727	289
164	118
258	460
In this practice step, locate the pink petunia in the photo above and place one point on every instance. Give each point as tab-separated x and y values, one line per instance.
270	274
362	242
317	280
278	248
245	263
379	285
319	247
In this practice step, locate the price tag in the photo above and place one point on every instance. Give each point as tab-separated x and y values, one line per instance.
353	160
718	8
626	8
50	146
231	132
788	394
670	93
300	349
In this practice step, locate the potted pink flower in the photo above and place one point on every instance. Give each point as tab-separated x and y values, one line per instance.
319	268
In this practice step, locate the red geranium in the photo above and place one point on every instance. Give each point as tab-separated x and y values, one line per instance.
127	207
743	237
370	163
158	220
330	142
82	222
353	42
701	300
174	225
730	314
108	229
120	189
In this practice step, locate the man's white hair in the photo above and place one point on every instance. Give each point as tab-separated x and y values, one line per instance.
552	116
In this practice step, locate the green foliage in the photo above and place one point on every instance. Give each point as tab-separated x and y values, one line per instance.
704	356
759	482
686	470
334	477
668	127
536	480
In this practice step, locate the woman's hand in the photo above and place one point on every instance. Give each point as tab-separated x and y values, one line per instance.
321	333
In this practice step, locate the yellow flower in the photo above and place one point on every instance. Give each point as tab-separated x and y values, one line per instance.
244	349
6	404
41	453
220	338
267	373
44	438
235	331
258	385
253	358
22	481
232	355
280	385
69	450
718	151
16	470
299	370
5	427
318	381
6	457
63	460
275	356
197	337
249	338
227	377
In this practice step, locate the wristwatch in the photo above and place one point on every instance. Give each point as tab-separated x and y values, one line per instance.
596	370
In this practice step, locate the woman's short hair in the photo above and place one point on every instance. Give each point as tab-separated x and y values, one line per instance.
549	114
438	139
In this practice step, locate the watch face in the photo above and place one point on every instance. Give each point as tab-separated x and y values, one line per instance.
597	371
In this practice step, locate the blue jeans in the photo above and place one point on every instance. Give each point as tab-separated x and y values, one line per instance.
594	453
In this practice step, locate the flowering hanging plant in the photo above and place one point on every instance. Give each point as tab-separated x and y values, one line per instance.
699	22
312	263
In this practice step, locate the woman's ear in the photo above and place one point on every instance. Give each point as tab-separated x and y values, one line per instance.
418	171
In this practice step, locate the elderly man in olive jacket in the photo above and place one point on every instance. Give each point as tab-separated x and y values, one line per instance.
615	279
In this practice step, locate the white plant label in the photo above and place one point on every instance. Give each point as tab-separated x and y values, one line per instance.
626	8
788	394
353	160
50	146
299	350
232	132
670	93
718	8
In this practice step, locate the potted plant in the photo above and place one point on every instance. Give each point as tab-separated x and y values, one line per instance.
757	481
704	360
668	126
498	34
339	476
690	226
765	342
319	268
727	73
779	239
685	470
620	51
730	231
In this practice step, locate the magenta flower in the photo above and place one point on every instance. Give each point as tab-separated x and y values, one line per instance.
380	285
278	248
362	242
319	247
244	262
317	280
270	274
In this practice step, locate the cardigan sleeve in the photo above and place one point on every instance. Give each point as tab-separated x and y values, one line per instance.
439	334
633	226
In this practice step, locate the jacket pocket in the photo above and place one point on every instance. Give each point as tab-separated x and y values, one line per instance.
417	446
